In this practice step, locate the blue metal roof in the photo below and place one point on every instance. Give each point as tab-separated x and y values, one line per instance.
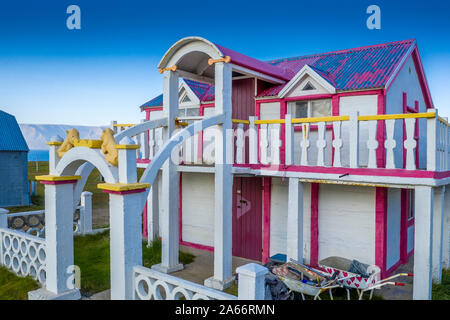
11	138
155	102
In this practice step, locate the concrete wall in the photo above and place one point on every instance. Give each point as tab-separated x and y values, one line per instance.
393	227
198	208
347	222
14	189
407	81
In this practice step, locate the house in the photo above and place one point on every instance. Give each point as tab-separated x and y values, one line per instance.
14	189
334	154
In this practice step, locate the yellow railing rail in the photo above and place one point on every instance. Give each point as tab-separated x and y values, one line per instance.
397	116
321	119
240	121
124	124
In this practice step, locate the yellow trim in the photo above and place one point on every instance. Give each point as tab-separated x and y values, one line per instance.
443	121
123	186
53	143
124	125
127	146
93	144
271	121
321	119
57	178
397	116
240	121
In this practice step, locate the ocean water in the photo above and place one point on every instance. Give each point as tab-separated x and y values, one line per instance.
39	155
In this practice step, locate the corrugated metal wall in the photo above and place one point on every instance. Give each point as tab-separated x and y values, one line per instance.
14	190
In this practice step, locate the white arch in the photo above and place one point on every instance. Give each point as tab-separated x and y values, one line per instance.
72	161
186	45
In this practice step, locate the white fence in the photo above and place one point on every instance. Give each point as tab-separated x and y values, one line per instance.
23	254
150	284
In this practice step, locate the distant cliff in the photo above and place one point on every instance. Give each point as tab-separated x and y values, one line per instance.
37	135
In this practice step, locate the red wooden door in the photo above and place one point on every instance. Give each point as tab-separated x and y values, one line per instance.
247	218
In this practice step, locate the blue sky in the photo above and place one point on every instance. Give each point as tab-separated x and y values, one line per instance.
103	72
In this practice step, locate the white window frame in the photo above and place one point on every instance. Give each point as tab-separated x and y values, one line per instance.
309	106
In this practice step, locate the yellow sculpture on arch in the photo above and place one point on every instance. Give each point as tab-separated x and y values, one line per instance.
68	143
109	147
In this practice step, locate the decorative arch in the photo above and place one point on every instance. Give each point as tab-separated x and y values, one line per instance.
188	45
75	158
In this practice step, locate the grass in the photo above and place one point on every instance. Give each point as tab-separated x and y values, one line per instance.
92	256
442	291
13	287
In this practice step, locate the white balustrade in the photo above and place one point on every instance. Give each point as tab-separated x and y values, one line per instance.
337	143
304	144
23	254
150	284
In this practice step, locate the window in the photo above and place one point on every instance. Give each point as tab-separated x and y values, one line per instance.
186	99
410	204
308	86
310	109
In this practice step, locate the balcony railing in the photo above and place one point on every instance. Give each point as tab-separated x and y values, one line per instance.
415	141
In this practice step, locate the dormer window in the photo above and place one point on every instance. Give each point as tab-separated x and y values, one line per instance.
186	99
308	86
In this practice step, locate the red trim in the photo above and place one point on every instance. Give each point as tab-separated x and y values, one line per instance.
313	127
180	207
381	132
403	226
283	111
380	228
58	182
266	218
334	112
143	160
197	246
314	254
401	173
124	192
360	93
422	79
145	230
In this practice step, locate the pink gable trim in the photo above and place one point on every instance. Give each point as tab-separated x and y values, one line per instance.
254	64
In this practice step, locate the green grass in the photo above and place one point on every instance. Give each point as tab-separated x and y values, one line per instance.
13	287
442	291
92	256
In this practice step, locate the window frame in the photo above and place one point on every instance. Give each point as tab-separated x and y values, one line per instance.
309	107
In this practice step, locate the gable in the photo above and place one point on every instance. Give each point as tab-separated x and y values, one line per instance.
307	77
301	88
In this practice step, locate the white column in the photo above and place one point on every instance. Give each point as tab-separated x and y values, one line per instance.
423	239
251	281
223	180
170	183
125	242
445	231
438	223
86	212
295	221
127	160
53	158
432	132
153	212
59	237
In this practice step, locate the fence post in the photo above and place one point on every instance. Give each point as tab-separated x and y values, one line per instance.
3	224
354	140
251	281
432	133
113	127
86	212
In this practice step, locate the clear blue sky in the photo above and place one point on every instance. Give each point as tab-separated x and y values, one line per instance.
49	74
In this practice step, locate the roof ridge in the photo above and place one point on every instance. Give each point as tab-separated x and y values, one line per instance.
386	44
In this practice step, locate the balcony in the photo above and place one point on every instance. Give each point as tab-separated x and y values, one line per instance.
368	149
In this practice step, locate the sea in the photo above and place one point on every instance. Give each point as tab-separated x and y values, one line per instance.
38	155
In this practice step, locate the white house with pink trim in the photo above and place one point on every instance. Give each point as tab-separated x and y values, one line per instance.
334	154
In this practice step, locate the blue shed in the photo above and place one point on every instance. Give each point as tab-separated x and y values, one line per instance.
14	190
